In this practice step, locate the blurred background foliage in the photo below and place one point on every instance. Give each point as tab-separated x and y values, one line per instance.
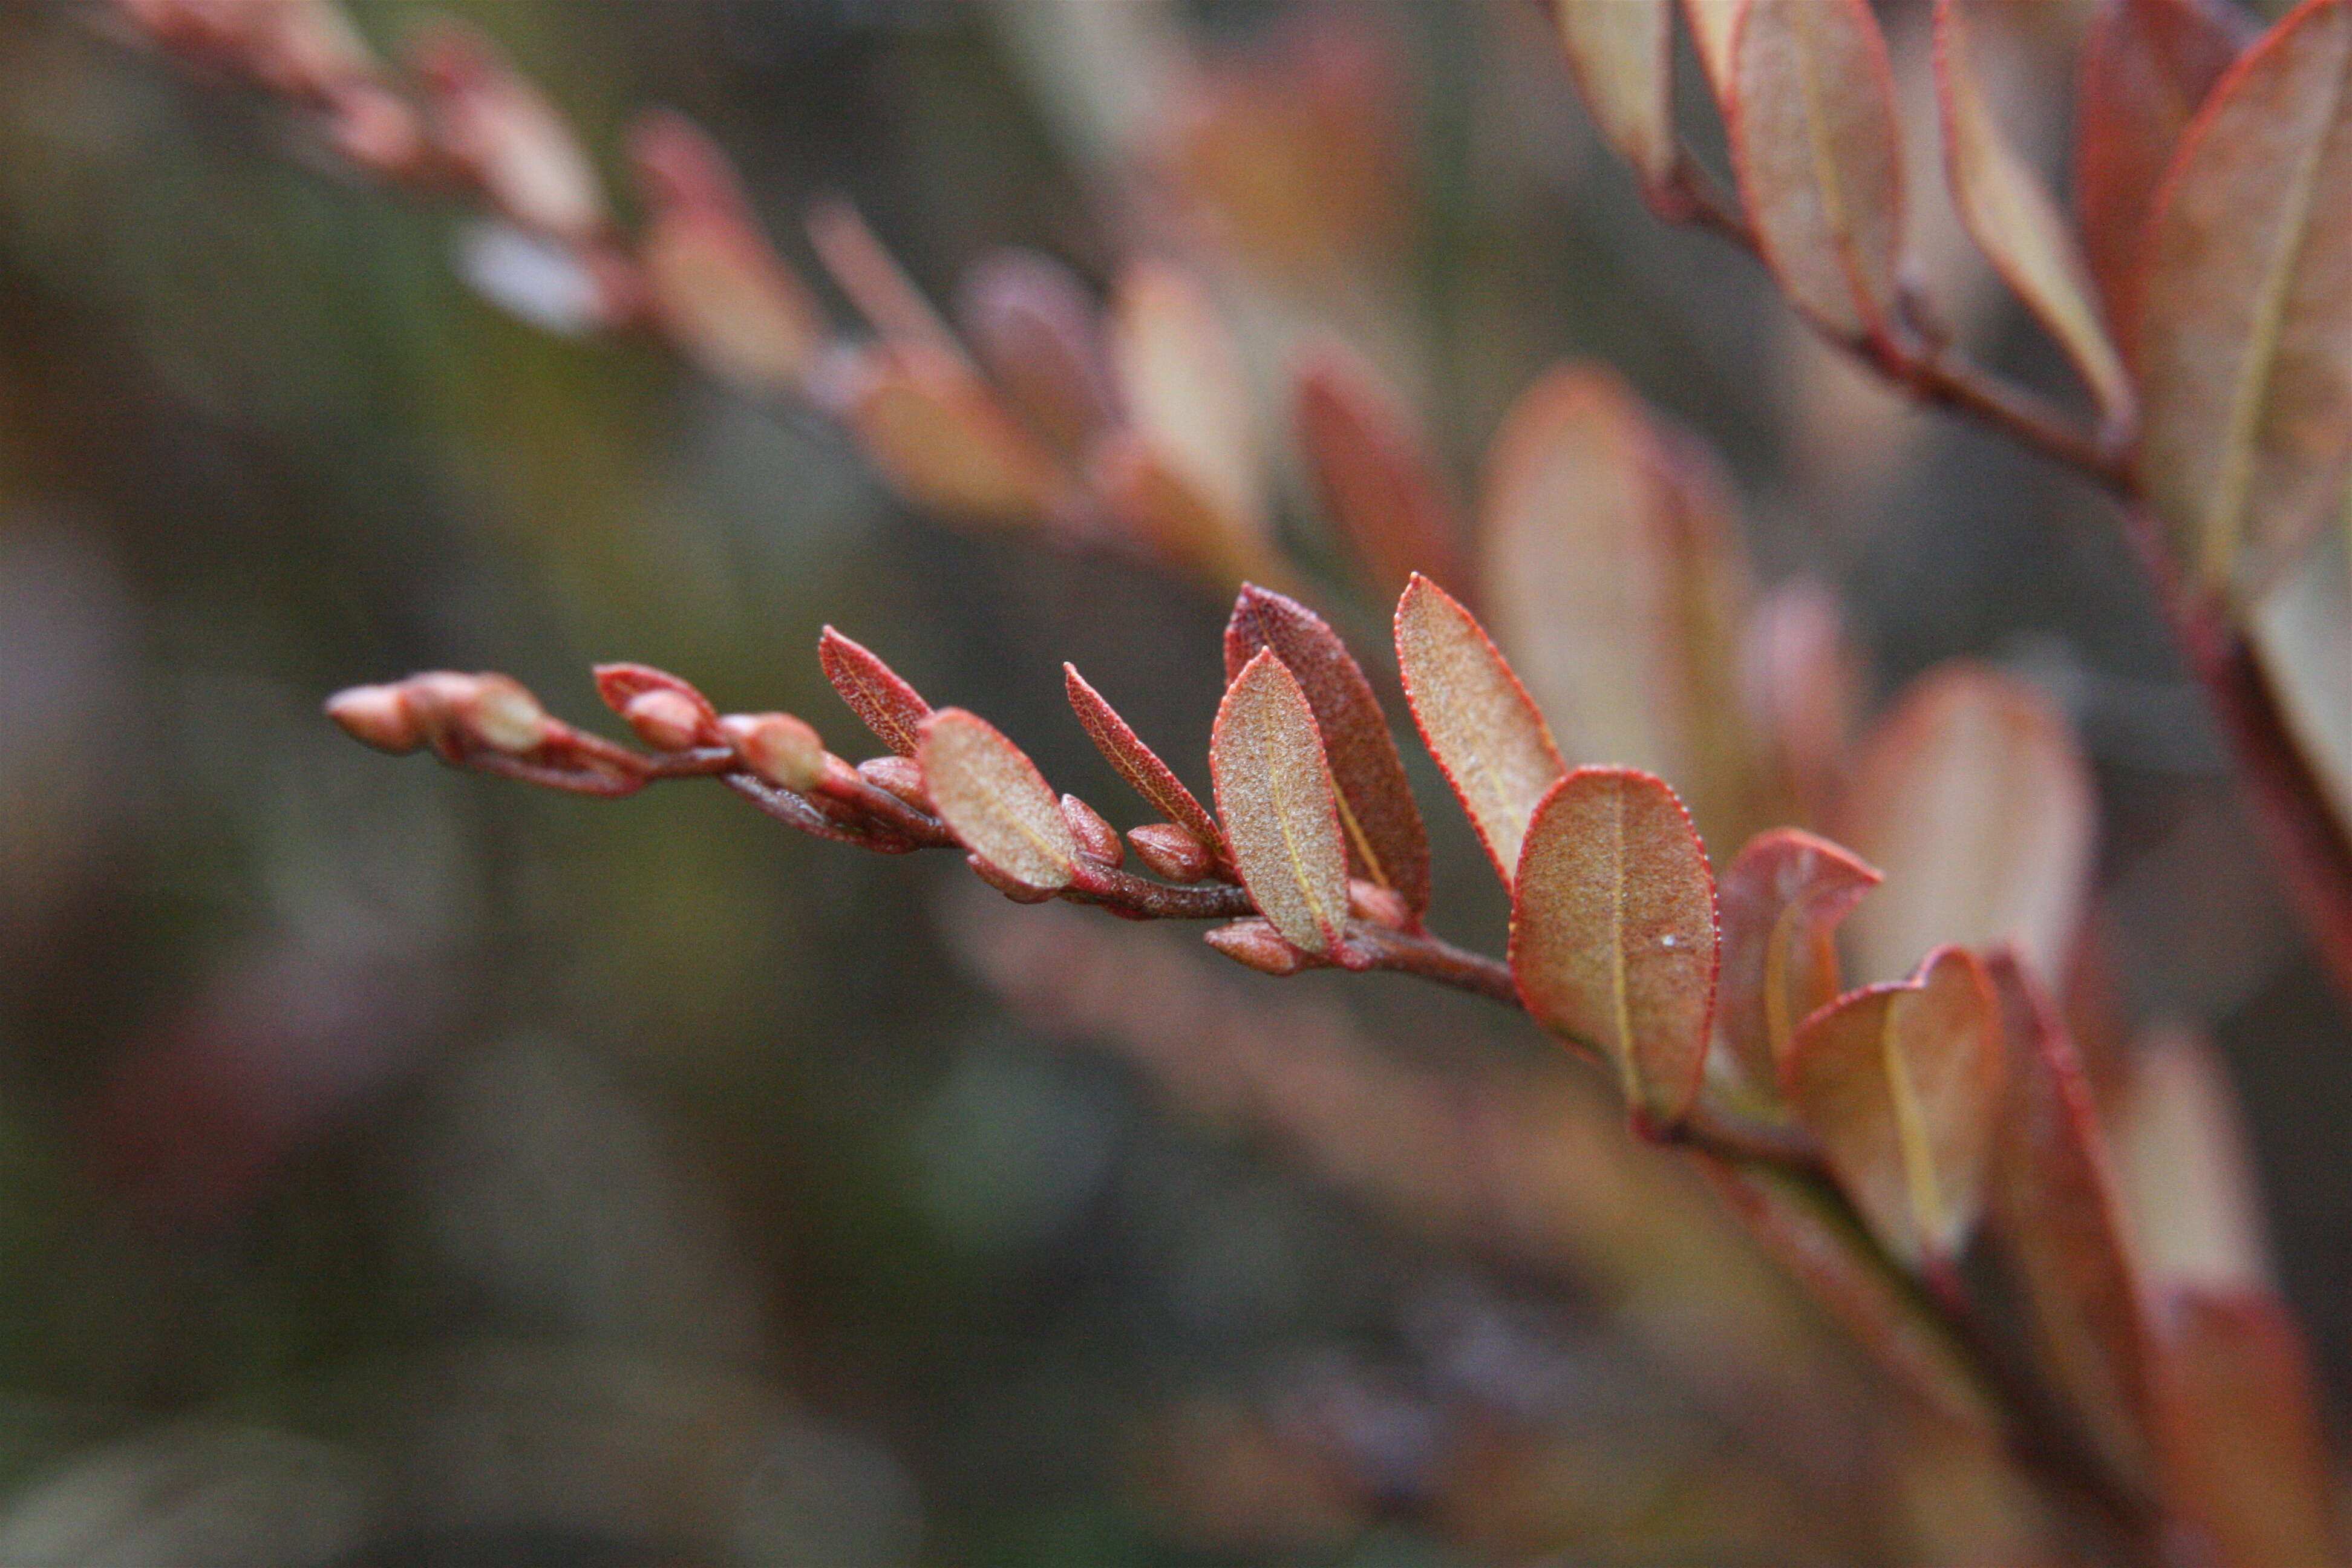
404	1168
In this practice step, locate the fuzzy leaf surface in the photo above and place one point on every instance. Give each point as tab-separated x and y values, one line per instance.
1819	150
2146	65
2014	220
2243	347
885	704
1973	797
1900	1084
1387	843
1783	897
2246	1457
1379	483
2057	1229
1613	934
1137	763
987	790
1619	54
1477	720
1281	814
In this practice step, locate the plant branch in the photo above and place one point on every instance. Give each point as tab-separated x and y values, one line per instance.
1371	946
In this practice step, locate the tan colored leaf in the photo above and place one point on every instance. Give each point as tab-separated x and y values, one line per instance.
1783	896
2244	346
2183	1170
2057	1229
1618	53
1610	573
2302	631
1180	378
1974	799
1150	498
1378	480
1281	815
1819	156
940	435
2014	221
1613	934
1387	844
870	278
1712	23
1901	1083
1479	723
497	124
2245	1458
989	792
716	288
1137	763
2146	65
893	709
1801	1222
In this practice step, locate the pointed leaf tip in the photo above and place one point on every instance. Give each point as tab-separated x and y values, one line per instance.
987	790
1137	763
1613	932
893	709
1281	813
1477	720
1387	843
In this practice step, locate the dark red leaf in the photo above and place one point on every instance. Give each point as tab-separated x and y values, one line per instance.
893	709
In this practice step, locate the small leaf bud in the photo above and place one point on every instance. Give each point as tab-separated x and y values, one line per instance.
1256	944
665	720
499	714
377	715
1097	839
1380	906
778	747
902	776
1005	882
1171	851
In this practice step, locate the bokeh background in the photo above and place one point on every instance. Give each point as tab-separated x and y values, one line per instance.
400	1166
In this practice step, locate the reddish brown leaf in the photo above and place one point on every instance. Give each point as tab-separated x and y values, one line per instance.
2146	65
1281	814
1378	480
939	435
1040	335
1145	493
1618	53
1613	934
1137	763
716	288
1974	799
2245	1459
2055	1224
2243	345
1179	380
1801	1222
1610	571
2014	221
1477	720
1386	842
1783	895
893	709
1819	156
500	127
991	795
1900	1084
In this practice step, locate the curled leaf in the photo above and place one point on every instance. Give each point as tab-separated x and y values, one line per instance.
1974	799
1478	721
1281	813
2146	65
1613	934
2056	1228
2243	345
893	709
991	795
2246	1459
1901	1083
1618	53
1386	841
1819	156
2014	221
1783	895
1378	481
1137	763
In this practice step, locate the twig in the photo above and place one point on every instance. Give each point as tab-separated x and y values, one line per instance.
1371	946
